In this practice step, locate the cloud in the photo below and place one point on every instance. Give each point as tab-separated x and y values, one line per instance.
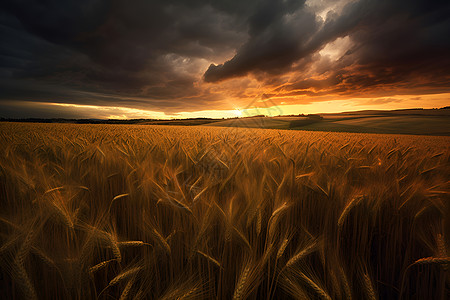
278	32
175	55
379	101
149	49
393	42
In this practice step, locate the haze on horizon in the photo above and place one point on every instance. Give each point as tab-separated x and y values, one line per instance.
199	58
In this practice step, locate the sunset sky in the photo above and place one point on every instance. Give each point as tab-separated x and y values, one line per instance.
223	58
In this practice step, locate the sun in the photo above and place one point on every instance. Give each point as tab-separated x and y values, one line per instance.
237	112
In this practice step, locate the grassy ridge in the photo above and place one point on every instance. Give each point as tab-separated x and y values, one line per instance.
100	211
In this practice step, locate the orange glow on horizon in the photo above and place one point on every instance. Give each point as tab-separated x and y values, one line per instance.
285	107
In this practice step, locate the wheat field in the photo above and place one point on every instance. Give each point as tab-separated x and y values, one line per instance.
156	212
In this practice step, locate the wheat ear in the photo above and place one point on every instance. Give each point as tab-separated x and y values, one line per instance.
214	261
238	292
282	248
320	292
347	209
301	254
19	269
124	275
126	290
433	261
368	287
99	266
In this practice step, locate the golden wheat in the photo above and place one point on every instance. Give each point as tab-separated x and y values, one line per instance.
144	212
126	290
124	275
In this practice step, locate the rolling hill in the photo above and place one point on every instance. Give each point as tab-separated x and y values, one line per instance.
411	121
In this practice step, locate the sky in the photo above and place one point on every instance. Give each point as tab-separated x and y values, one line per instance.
220	58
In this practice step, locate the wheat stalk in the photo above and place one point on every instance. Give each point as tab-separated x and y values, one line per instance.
99	266
115	247
433	261
124	275
161	240
189	293
43	257
19	269
347	289
242	238
258	223
24	281
240	286
293	288
301	254
319	291
274	217
368	287
442	247
214	261
282	248
126	290
132	244
348	207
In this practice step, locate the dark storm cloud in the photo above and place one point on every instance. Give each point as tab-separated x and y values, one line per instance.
155	54
278	29
403	42
149	49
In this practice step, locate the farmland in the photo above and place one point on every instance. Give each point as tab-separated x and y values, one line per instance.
173	212
407	121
